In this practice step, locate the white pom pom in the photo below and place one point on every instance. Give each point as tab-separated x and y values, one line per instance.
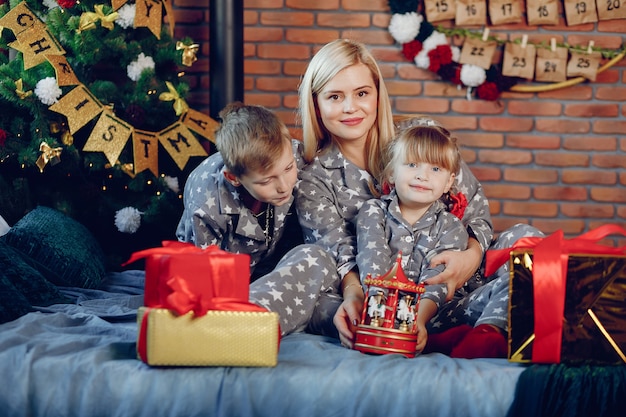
456	53
128	220
126	16
135	68
434	40
422	60
405	27
48	91
172	183
472	75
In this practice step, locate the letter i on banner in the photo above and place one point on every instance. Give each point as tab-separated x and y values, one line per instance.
79	106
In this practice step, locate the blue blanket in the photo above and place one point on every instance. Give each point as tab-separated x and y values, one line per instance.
80	360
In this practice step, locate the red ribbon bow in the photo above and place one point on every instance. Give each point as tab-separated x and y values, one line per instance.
549	280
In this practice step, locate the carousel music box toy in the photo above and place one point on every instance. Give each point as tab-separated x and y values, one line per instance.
388	319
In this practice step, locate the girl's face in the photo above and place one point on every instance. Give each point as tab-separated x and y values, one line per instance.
275	185
419	184
348	104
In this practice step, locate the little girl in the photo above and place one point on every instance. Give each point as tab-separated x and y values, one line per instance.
416	218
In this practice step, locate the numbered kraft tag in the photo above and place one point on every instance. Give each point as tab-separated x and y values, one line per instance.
471	12
583	64
578	12
611	9
505	11
542	12
551	65
438	10
519	61
478	52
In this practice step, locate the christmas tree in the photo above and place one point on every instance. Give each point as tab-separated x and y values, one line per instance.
93	117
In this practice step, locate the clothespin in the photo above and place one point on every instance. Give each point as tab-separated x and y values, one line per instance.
485	34
524	41
553	44
590	47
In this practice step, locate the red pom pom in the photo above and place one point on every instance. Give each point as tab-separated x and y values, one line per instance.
67	4
411	49
488	91
441	55
3	137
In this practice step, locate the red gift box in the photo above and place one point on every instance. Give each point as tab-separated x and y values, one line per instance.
197	310
554	316
187	274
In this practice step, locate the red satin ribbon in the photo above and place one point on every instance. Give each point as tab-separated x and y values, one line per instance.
170	247
550	257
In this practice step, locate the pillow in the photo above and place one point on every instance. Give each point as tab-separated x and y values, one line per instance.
60	248
22	286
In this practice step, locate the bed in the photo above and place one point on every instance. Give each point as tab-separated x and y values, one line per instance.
78	358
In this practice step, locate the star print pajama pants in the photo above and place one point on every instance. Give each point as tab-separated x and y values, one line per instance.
489	303
297	289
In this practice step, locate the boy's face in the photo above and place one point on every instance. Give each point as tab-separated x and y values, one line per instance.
274	186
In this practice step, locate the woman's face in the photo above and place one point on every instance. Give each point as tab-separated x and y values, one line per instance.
348	104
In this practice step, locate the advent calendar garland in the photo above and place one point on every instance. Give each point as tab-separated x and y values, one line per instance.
428	47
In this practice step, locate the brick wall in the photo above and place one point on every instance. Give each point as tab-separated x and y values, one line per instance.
552	159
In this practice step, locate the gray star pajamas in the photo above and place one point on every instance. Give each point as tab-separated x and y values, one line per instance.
332	190
214	214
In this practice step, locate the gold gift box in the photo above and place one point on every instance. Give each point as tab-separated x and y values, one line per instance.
219	338
594	322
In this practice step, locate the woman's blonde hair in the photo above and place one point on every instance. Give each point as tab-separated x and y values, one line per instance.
332	58
250	138
422	141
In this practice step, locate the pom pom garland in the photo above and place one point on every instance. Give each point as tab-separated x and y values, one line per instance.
48	91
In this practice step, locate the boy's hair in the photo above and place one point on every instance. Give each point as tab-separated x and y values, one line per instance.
250	138
423	141
332	58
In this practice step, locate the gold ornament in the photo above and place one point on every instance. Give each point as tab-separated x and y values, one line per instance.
88	19
189	52
48	154
180	106
19	90
67	138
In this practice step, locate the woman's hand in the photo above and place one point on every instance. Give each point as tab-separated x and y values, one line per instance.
348	314
460	266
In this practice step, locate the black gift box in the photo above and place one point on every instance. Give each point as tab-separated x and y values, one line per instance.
594	319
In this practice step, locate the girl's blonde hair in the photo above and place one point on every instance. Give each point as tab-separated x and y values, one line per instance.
250	138
327	62
422	141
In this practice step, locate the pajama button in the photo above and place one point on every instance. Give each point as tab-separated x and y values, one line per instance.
408	239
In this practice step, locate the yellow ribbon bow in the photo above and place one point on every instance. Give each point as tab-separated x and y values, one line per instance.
19	90
48	154
180	106
189	52
88	19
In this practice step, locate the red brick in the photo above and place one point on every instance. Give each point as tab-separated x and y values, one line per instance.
609	161
562	126
352	20
591	110
561	159
529	209
613	93
509	192
521	108
609	194
572	176
589	143
505	157
569	227
560	193
532	175
587	210
480	140
506	124
532	141
287	19
477	106
422	105
313	4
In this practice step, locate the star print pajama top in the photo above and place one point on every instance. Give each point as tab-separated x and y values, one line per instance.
287	276
332	190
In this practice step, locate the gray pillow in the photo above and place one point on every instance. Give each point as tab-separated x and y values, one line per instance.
61	249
